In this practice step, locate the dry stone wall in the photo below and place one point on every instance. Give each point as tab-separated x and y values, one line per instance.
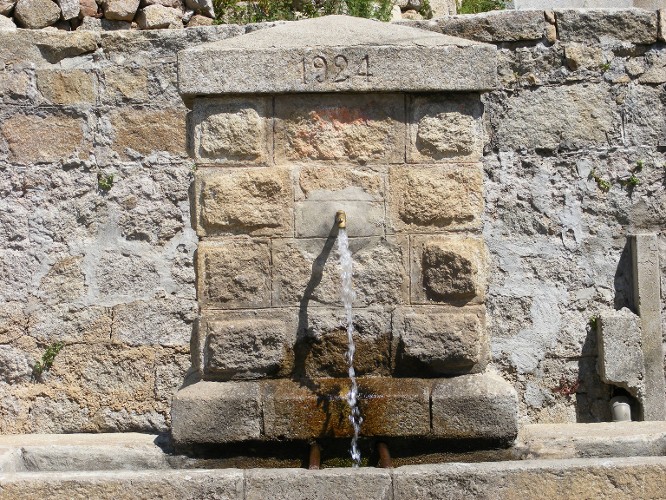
578	114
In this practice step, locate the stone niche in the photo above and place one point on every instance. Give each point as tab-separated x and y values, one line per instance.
287	126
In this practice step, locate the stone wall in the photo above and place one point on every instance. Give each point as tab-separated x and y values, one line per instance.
574	160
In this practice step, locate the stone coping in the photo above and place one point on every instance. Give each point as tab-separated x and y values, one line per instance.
337	54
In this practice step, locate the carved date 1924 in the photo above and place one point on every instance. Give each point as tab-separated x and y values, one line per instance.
319	69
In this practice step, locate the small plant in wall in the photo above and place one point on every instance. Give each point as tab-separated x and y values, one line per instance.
46	362
602	183
104	181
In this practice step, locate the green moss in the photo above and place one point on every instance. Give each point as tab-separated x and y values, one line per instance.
476	6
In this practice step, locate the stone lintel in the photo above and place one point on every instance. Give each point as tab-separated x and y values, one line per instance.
337	54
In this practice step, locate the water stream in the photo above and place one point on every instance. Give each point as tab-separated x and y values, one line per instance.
348	296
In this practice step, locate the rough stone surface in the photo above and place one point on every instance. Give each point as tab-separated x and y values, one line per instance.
374	57
69	8
35	14
215	412
235	130
198	20
145	131
120	10
6	24
7	6
444	129
315	218
67	87
234	273
352	128
496	26
159	17
607	25
245	201
204	7
439	342
432	199
447	269
474	406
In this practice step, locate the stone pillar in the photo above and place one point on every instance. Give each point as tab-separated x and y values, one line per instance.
289	125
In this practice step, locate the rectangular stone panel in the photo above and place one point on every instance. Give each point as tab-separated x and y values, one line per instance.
480	406
445	128
448	269
322	343
439	341
364	129
316	218
435	198
247	345
389	407
254	201
306	272
232	130
216	412
607	25
233	273
336	182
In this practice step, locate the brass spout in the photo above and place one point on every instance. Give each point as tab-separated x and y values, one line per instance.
341	219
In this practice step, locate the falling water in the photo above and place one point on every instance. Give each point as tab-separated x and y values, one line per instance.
348	296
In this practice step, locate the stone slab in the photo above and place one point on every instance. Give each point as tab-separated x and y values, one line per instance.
607	25
216	412
316	219
336	54
480	406
648	302
496	26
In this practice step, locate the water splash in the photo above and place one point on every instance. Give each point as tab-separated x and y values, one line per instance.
348	297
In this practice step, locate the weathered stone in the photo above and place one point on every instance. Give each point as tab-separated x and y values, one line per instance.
14	366
46	138
576	478
583	56
322	343
343	54
586	116
70	9
67	87
339	183
481	406
204	7
644	115
390	407
122	82
232	130
306	273
7	6
35	14
65	280
316	218
662	25
607	25
327	483
199	20
159	17
7	24
255	201
361	129
94	24
496	26
437	341
120	275
146	131
120	10
234	273
620	355
247	345
427	199
444	128
656	73
89	8
216	412
174	4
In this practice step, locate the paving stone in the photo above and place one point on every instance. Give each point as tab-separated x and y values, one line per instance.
216	412
254	201
480	406
435	198
607	25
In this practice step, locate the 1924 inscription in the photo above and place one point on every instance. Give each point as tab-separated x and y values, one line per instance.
336	69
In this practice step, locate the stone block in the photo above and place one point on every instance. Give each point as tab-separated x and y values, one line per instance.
337	54
435	198
234	273
645	116
620	356
233	130
125	83
365	129
157	16
389	407
216	412
146	131
70	9
204	7
322	343
480	406
328	483
45	138
496	26
332	183
36	14
448	269
316	218
439	341
444	129
306	272
662	25
247	344
67	87
254	201
120	10
570	117
583	56
607	25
